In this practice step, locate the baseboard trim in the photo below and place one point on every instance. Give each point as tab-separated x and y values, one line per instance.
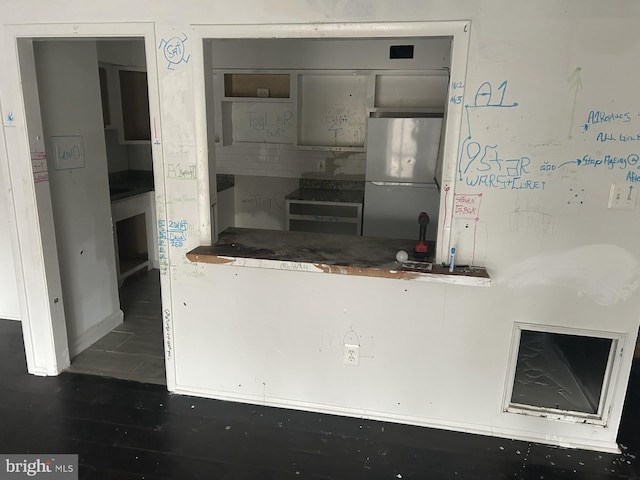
10	316
95	333
493	431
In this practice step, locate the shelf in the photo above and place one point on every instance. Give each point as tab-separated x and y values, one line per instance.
398	112
131	266
328	148
256	100
257	85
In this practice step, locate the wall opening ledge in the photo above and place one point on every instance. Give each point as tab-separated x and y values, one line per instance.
329	253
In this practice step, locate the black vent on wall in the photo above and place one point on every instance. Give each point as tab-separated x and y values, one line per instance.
401	51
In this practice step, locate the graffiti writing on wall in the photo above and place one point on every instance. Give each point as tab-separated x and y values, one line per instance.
482	164
174	50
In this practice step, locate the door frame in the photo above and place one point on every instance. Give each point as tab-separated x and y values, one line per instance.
32	233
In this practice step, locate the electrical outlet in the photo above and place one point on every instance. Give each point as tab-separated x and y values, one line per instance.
351	354
262	92
623	196
322	165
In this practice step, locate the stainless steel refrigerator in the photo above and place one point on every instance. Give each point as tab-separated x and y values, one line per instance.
401	162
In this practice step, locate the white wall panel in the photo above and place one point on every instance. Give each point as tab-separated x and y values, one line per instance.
557	255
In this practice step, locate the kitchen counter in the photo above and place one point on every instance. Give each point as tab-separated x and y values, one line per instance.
328	253
129	183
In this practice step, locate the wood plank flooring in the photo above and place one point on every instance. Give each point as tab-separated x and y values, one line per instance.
128	430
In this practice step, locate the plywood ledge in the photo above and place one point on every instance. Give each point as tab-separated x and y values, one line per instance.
324	253
196	257
367	272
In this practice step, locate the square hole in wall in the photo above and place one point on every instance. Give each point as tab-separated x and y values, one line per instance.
560	374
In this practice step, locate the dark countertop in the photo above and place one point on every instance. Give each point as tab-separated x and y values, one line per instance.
224	182
328	253
331	184
327	195
129	183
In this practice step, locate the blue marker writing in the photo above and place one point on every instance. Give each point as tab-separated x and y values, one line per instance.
452	258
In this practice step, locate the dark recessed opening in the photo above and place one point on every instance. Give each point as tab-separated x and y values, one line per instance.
560	371
132	242
401	51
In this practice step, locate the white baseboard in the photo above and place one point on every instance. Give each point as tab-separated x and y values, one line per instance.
478	429
95	333
10	316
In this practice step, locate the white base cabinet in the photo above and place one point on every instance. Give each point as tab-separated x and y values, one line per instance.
134	234
324	217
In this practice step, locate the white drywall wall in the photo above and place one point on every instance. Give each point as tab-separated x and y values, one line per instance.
9	306
280	53
117	154
276	324
69	91
128	53
140	157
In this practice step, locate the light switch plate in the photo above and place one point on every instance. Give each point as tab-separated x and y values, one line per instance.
622	196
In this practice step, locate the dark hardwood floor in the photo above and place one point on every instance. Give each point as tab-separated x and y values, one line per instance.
127	430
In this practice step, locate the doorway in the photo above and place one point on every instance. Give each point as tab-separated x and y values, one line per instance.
99	174
134	349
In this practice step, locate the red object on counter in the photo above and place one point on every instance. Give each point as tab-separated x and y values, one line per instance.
420	250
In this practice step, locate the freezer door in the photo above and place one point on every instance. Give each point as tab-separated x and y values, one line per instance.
392	211
402	149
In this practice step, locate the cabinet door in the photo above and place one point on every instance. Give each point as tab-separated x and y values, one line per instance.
332	110
324	217
262	122
136	122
